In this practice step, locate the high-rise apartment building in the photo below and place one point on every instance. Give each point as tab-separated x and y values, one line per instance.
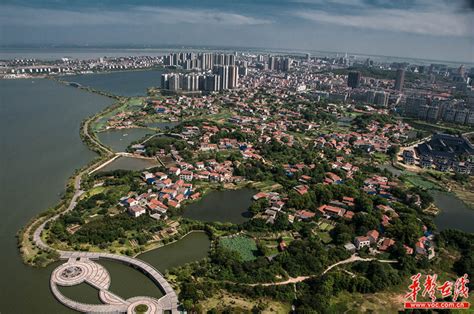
400	79
353	79
233	76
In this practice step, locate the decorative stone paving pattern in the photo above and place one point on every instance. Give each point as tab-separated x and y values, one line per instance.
82	270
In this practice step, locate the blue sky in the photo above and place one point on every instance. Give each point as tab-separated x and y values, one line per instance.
436	29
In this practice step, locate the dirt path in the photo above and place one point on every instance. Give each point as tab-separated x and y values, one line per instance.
291	280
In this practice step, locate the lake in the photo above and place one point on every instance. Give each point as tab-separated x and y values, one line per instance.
41	147
130	83
222	206
454	213
120	139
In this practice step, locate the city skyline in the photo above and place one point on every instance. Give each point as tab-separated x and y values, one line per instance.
428	29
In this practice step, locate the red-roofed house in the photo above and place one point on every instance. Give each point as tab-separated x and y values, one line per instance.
174	171
332	211
349	214
386	243
259	195
373	236
304	214
301	189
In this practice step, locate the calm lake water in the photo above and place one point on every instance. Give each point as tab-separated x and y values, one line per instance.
120	139
129	163
83	293
193	247
454	213
132	83
41	147
222	206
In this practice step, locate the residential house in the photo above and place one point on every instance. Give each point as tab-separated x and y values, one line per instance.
305	215
136	210
361	242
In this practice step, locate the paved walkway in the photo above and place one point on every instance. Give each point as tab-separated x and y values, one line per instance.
79	269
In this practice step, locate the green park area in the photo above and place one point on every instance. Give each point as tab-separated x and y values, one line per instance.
244	246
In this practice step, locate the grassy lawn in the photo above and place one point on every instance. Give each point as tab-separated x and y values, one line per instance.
220	117
324	236
266	186
94	191
271	245
135	102
244	246
325	226
380	157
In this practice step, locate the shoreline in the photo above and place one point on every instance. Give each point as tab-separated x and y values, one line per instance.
25	233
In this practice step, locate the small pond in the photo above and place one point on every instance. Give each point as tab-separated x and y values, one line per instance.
222	206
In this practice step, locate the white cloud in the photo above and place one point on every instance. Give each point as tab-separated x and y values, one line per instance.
140	15
432	22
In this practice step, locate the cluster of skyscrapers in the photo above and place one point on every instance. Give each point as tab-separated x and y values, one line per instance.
200	61
222	77
217	72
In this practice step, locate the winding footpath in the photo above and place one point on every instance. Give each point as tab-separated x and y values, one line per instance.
292	280
80	266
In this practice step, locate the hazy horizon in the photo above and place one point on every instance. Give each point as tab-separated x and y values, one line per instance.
128	49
